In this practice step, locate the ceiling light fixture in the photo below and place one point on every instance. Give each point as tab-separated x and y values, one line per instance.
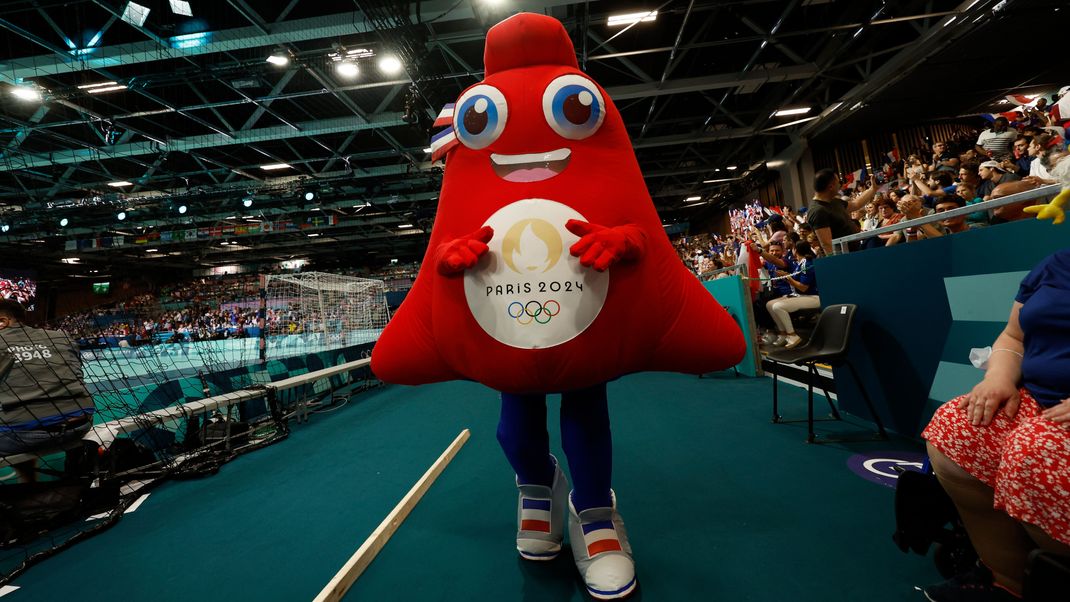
96	85
182	209
347	69
630	18
278	59
731	168
4	228
390	64
274	166
247	201
786	112
119	184
63	222
114	88
692	198
27	93
310	195
121	216
404	226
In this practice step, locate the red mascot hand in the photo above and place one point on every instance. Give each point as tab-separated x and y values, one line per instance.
600	247
462	253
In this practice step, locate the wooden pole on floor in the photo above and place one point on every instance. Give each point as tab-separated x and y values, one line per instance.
352	569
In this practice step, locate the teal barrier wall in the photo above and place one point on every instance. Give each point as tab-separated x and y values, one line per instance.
732	295
922	307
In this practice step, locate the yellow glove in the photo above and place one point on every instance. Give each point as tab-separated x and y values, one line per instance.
1053	210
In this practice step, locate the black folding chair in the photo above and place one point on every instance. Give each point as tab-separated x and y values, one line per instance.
827	345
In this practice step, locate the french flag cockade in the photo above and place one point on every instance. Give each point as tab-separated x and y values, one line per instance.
600	536
444	141
535	515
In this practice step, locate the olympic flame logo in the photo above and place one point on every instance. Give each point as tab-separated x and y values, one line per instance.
533	311
532	245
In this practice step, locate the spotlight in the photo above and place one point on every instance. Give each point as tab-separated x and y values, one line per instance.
182	209
279	59
310	195
347	69
121	216
4	228
26	93
63	223
247	201
389	64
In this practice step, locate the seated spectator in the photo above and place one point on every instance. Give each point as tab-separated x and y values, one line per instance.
943	159
43	400
992	174
775	261
1015	211
1023	160
871	217
952	225
995	142
803	296
889	217
910	207
1002	451
1041	147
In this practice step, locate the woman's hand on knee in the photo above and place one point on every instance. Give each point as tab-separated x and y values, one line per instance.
1059	413
982	403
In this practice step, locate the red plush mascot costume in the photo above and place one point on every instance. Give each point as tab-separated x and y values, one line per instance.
548	270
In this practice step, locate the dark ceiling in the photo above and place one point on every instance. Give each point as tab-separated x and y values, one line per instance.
202	111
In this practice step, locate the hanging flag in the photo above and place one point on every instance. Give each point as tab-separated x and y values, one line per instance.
893	155
856	176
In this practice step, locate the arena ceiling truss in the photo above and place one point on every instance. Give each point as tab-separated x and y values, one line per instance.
173	120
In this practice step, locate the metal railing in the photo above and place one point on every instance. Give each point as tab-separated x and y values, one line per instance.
841	245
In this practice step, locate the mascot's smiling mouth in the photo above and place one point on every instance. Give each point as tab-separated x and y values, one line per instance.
530	168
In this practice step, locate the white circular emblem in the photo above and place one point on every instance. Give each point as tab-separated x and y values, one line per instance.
528	291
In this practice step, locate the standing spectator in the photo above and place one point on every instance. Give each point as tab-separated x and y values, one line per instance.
996	142
828	214
992	174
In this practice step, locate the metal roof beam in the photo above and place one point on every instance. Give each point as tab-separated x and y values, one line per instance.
330	26
710	82
315	128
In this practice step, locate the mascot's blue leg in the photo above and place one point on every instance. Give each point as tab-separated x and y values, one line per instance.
589	446
523	437
596	530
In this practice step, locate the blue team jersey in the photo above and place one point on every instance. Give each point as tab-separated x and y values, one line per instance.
1045	321
807	277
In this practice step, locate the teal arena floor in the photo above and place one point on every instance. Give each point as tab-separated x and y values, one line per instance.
720	504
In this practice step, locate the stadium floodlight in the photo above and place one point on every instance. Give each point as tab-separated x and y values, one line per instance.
390	64
275	166
797	111
27	93
63	222
630	18
135	14
181	7
121	216
182	209
279	59
120	184
347	69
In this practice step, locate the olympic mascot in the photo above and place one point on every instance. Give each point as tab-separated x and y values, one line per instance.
548	271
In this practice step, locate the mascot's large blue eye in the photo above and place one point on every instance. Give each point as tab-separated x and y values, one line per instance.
573	106
479	116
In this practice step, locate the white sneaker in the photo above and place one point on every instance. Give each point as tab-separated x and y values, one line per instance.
540	518
600	548
769	338
780	341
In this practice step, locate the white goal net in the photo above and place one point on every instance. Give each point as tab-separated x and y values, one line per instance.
315	311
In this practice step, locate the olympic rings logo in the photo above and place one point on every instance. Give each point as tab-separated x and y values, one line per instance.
533	311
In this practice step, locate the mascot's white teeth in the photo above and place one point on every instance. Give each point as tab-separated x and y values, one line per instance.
530	167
